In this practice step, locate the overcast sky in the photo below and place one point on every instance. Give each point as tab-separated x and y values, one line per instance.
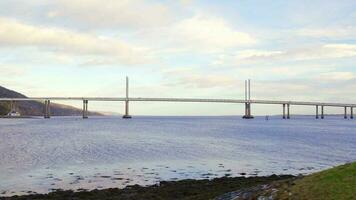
292	50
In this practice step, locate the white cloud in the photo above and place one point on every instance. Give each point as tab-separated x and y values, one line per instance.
255	56
165	26
327	51
340	50
188	77
200	33
253	53
203	32
283	71
331	32
111	14
186	2
337	76
207	81
9	71
14	33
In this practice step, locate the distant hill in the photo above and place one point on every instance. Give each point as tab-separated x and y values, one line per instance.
36	108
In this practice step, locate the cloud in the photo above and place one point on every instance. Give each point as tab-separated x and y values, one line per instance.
186	2
255	56
165	26
283	71
9	71
200	33
253	53
206	81
14	33
210	33
332	32
111	14
327	51
191	78
337	76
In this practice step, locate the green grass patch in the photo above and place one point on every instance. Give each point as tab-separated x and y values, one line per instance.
334	184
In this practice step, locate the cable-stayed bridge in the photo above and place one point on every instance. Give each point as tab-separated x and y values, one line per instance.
247	101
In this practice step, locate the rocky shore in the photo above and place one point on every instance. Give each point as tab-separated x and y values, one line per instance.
335	183
183	189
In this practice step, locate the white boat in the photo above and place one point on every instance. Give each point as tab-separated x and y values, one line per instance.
14	114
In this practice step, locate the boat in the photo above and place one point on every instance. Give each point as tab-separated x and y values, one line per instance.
13	113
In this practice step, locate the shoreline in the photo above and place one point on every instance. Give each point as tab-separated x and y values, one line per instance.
199	189
18	117
334	183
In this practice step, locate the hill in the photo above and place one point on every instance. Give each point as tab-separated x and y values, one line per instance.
36	108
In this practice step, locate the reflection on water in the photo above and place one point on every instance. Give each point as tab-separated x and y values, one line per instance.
70	153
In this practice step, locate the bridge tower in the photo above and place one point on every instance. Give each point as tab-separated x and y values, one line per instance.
127	115
247	100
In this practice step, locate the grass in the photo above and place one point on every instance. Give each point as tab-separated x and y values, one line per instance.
334	184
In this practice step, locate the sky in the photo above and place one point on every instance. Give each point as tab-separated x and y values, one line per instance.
302	50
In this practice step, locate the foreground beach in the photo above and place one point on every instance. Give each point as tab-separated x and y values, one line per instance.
336	183
184	189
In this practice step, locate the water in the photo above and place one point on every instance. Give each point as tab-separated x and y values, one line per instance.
70	153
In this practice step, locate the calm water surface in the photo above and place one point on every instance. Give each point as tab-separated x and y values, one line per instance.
70	153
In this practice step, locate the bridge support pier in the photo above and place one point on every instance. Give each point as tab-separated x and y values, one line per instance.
12	106
284	111
47	109
247	111
322	112
351	112
316	112
345	112
127	115
85	109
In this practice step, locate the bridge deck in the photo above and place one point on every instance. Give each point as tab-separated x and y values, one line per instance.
180	100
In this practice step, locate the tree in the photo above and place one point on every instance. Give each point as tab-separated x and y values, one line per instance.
5	108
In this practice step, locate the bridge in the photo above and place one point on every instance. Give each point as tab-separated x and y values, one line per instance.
247	101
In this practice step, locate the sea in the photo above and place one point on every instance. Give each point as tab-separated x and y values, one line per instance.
42	155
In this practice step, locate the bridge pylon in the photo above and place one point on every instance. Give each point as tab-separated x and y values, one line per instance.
247	99
127	115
